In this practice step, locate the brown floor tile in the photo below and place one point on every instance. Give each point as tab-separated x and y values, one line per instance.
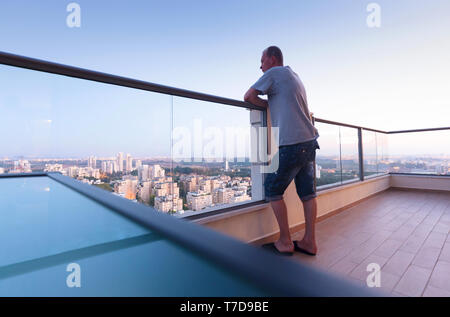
445	253
395	294
431	291
388	248
406	231
413	282
359	238
402	233
360	272
423	230
388	281
441	228
440	277
343	266
427	257
413	244
398	263
435	240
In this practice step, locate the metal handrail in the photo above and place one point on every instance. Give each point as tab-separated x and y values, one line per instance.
419	130
347	125
76	72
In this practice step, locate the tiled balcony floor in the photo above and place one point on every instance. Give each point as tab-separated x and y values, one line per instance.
405	232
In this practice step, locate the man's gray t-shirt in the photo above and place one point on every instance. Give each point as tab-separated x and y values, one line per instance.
287	104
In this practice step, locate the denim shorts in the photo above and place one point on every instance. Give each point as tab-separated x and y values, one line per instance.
295	162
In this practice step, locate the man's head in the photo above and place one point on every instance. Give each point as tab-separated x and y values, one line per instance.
271	57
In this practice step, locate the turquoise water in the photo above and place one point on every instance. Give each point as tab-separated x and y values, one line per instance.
45	226
41	217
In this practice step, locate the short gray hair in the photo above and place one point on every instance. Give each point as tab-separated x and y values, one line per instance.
274	51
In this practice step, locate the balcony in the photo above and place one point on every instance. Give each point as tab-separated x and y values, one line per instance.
405	232
369	212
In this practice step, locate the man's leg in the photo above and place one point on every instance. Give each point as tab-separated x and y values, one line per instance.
275	185
308	242
284	243
304	183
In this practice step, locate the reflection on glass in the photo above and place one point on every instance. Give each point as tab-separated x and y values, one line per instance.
383	153
112	137
349	153
370	153
211	156
328	157
375	153
173	154
420	152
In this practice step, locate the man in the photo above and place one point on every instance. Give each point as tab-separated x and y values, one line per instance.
289	112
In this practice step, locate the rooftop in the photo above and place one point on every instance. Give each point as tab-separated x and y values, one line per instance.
405	232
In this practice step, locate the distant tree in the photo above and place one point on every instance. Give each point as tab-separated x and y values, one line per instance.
152	200
104	186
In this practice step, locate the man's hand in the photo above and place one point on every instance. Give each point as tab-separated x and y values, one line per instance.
251	96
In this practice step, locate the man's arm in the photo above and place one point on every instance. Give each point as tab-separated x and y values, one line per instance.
251	96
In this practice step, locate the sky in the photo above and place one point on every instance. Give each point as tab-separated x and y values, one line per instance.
390	78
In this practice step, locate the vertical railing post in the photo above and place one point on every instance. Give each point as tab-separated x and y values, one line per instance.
257	120
360	155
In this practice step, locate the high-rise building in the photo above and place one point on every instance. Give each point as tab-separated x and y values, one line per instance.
222	195
120	161
144	192
104	167
127	188
168	203
92	162
143	173
129	163
157	171
214	184
239	198
198	200
21	166
73	171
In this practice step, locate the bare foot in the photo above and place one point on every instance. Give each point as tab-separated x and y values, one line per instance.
284	247
311	247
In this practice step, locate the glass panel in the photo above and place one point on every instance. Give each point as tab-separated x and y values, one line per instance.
328	158
108	136
349	154
211	156
420	152
370	153
383	153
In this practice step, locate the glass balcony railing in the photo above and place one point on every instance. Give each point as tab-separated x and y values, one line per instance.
420	152
337	159
180	152
375	149
351	152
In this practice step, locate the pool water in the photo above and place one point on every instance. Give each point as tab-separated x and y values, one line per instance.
45	226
